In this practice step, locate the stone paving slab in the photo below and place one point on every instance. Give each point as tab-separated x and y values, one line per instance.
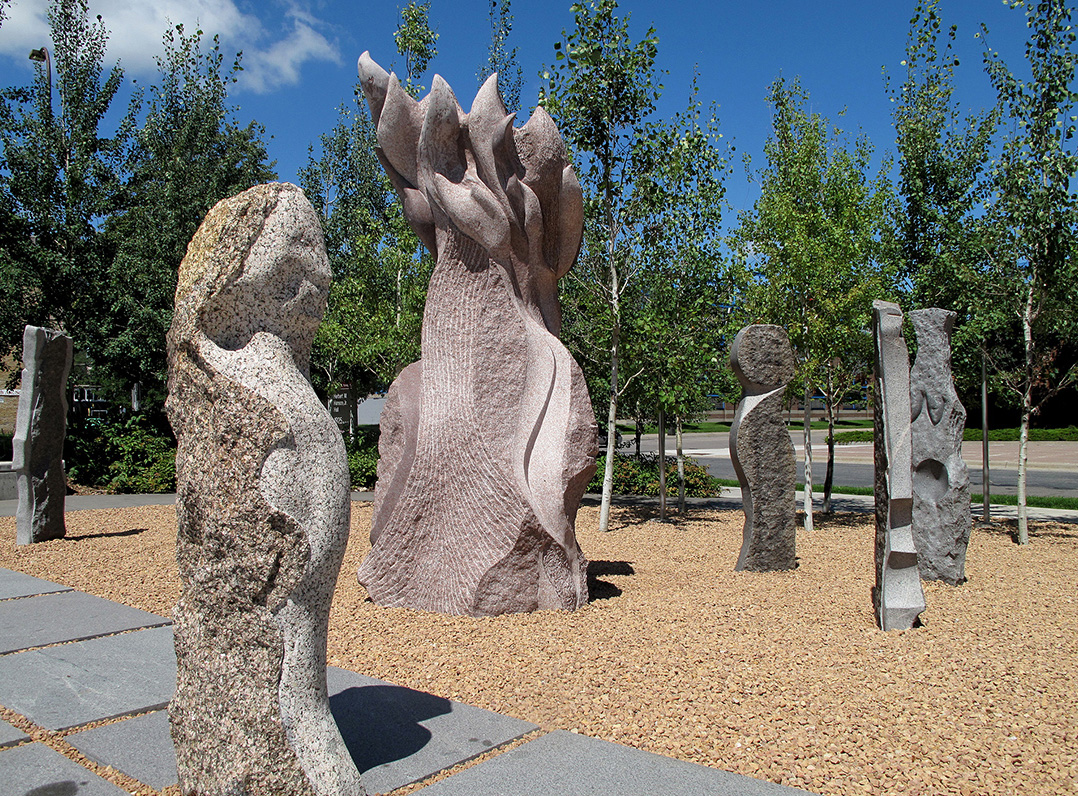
73	684
140	747
568	764
67	616
10	735
398	735
36	770
16	584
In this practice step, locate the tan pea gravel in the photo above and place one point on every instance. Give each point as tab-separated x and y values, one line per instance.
781	676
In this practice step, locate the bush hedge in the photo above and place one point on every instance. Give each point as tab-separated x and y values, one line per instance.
640	476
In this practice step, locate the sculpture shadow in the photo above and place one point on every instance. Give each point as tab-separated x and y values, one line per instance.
105	534
380	723
65	788
603	589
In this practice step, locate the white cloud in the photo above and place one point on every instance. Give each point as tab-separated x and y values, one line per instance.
275	47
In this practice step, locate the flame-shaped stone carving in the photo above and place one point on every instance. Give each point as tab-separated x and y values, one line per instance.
897	595
761	450
941	511
489	441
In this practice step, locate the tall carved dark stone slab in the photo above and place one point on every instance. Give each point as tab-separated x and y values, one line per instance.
761	450
263	506
40	428
897	595
941	495
489	441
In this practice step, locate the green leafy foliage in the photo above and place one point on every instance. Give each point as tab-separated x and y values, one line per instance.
640	476
59	174
363	458
125	455
500	58
416	41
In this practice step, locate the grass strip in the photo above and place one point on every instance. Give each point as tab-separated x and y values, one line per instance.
1033	501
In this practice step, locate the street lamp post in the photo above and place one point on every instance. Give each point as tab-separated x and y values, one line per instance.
41	55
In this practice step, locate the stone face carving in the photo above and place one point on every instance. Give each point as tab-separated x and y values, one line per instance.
40	428
941	495
761	450
263	505
489	441
897	595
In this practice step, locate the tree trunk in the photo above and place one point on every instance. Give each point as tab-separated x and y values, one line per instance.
808	459
680	472
1027	413
829	478
662	466
612	415
986	477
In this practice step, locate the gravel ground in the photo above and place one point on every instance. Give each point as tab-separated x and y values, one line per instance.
781	676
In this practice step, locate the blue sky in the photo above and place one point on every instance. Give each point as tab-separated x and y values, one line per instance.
300	55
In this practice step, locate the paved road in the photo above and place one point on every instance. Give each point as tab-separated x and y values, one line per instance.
1053	465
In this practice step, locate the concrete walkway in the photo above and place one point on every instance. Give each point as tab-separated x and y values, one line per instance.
87	679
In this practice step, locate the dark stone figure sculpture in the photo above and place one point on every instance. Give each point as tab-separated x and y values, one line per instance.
941	494
489	441
897	595
761	450
40	428
263	506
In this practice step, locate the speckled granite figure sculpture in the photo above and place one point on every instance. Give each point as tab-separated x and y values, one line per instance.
489	441
761	450
40	427
262	503
897	595
941	512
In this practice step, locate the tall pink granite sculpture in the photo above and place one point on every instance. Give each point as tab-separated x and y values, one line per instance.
262	504
942	520
489	441
897	595
761	450
40	428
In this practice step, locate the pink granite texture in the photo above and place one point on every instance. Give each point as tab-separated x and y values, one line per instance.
489	441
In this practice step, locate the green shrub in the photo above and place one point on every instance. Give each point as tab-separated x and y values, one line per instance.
125	455
363	458
640	476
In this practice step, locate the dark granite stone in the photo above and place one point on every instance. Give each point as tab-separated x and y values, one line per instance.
761	451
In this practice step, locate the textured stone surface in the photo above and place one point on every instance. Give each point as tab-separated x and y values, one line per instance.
73	684
10	735
65	616
262	505
761	450
139	747
489	441
398	735
563	762
40	428
897	596
36	770
16	584
941	495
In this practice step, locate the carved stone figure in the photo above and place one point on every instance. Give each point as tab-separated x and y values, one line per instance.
489	441
761	450
40	428
941	495
263	505
898	596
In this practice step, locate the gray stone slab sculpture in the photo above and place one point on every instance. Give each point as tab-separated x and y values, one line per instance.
897	595
489	441
941	495
40	429
262	504
761	450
